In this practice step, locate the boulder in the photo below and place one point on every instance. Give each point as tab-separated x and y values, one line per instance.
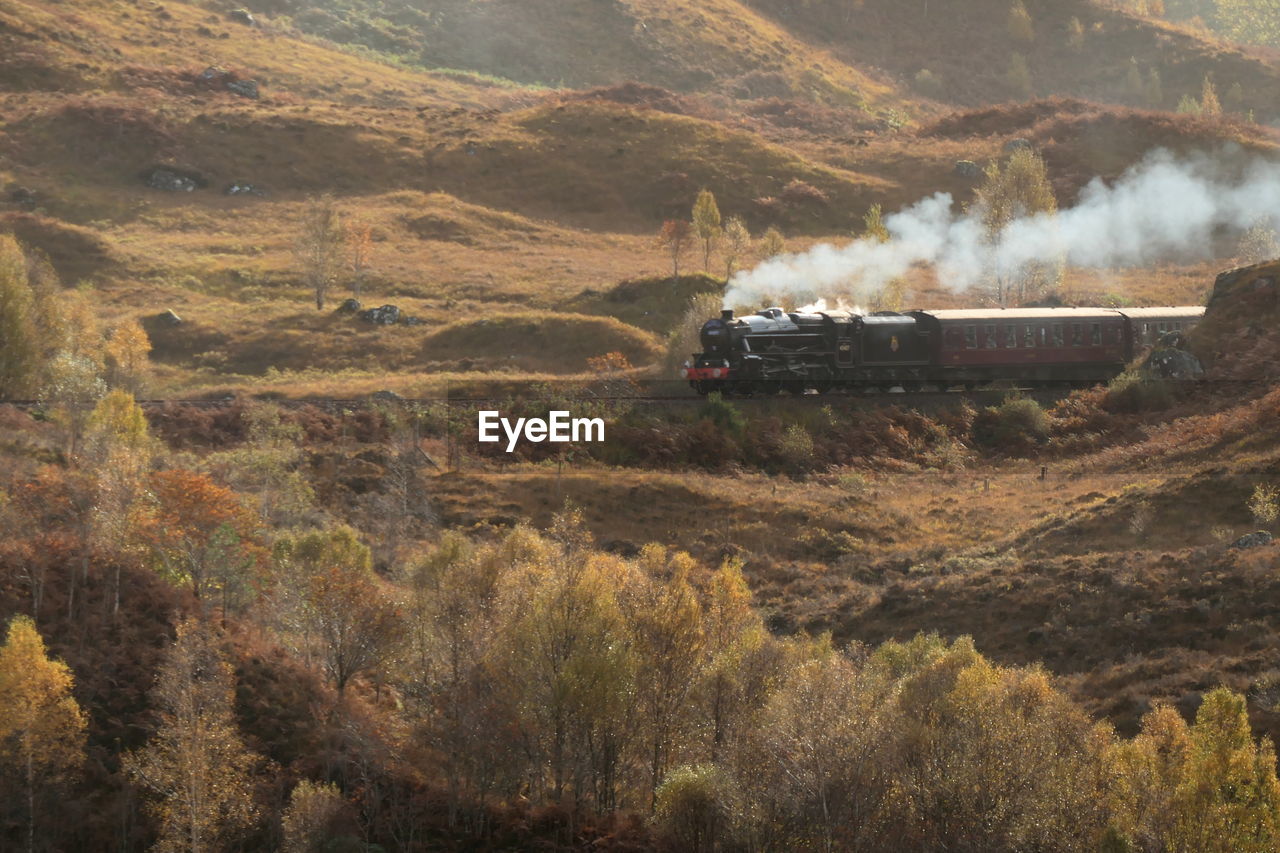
171	180
168	318
243	88
385	396
383	315
243	16
1253	540
1017	145
966	169
411	321
348	306
1172	363
242	188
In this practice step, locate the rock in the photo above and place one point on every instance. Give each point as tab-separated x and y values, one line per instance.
348	306
411	321
214	77
1253	540
243	88
1017	145
383	315
240	188
1170	363
168	318
385	396
172	181
966	169
242	16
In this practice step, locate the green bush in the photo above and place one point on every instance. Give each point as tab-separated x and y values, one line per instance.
723	414
1013	426
1131	392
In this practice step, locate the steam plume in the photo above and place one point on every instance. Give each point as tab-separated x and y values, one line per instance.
1164	208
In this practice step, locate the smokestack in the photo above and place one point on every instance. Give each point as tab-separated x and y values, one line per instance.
726	314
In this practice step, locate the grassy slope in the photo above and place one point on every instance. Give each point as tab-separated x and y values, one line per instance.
484	196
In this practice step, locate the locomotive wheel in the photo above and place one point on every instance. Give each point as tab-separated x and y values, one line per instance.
794	387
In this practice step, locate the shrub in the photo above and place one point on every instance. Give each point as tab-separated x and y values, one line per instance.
798	192
723	414
1264	505
693	805
1131	392
1012	426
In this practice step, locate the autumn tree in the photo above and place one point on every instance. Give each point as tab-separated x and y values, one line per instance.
706	224
41	725
1249	21
737	242
1009	192
268	467
202	536
1019	23
773	243
563	653
665	619
454	592
337	605
127	350
674	237
320	245
873	227
20	361
1228	798
72	388
359	251
734	634
1210	106
119	447
308	818
196	763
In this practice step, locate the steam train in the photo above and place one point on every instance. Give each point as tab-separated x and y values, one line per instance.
775	351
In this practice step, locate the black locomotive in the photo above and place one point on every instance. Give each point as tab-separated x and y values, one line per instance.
775	351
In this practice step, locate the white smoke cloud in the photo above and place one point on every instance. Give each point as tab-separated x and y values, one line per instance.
1164	208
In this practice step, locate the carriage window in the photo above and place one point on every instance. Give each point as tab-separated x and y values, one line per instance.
1146	331
1029	336
971	337
1044	336
990	337
1011	337
1096	334
1177	326
1077	335
1057	334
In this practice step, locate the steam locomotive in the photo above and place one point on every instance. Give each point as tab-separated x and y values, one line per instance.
775	351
